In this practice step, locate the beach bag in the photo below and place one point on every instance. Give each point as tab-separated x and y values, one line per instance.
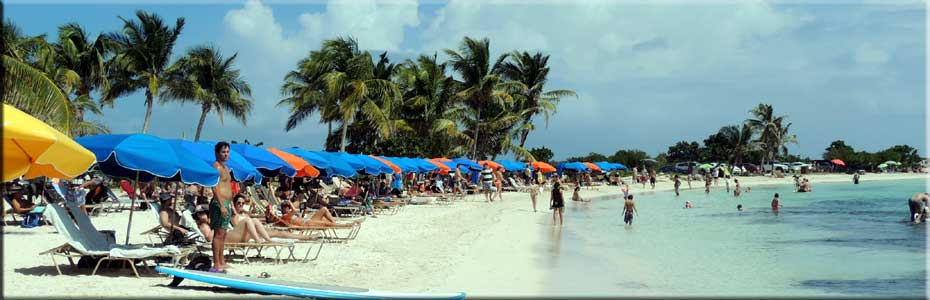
31	220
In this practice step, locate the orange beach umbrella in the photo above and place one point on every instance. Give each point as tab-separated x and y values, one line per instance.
494	166
592	166
386	162
304	169
838	162
543	167
443	169
441	159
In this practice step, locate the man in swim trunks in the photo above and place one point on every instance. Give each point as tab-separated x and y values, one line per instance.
628	209
221	206
916	204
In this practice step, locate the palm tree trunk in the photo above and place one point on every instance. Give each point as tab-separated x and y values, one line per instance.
148	111
205	108
526	131
474	153
345	129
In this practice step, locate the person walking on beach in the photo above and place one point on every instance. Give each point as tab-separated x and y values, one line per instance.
677	184
707	181
628	209
487	181
736	191
652	178
635	175
534	192
221	206
556	202
776	204
690	174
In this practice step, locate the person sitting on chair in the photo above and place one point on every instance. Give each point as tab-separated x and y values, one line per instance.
170	220
241	217
20	204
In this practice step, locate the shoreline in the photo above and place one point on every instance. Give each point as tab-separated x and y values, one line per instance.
470	246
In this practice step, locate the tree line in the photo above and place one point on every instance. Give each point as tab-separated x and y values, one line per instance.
471	104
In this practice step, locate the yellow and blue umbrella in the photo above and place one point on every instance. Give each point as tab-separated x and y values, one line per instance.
32	148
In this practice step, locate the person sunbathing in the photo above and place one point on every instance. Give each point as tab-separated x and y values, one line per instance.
322	217
242	216
21	205
245	230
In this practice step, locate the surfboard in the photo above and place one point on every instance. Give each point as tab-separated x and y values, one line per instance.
296	289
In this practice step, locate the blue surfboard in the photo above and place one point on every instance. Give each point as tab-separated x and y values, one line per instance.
296	289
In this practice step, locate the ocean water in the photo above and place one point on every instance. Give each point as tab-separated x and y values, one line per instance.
839	240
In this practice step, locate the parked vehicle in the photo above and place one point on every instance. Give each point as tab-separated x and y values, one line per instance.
780	167
683	166
749	168
796	166
668	169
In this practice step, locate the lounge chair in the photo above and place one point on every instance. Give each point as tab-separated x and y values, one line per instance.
8	211
278	246
329	233
84	240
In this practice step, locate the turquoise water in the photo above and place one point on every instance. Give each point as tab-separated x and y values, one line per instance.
840	240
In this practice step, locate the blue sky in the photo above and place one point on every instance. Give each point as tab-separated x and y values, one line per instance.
647	74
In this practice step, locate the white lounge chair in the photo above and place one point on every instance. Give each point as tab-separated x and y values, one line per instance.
87	241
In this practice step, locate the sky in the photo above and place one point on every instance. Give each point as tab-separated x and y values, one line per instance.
647	74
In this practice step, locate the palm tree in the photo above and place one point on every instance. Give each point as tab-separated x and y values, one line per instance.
770	130
533	72
339	80
483	89
75	52
204	77
428	105
27	86
143	50
742	142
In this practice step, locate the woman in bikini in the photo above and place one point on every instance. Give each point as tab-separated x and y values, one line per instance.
322	217
242	219
556	202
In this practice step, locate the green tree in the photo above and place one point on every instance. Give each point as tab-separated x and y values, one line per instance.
541	154
429	108
485	97
591	157
683	151
143	49
839	150
630	158
26	86
203	77
773	133
340	81
904	154
532	71
77	53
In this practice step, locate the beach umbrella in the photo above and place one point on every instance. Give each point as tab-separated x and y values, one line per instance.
374	166
423	165
620	166
838	162
266	162
512	166
574	166
606	166
493	165
304	169
337	165
390	164
32	148
313	159
593	166
443	169
543	167
241	168
883	166
706	166
441	159
467	163
146	157
892	163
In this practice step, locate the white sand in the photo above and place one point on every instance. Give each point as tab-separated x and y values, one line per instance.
475	247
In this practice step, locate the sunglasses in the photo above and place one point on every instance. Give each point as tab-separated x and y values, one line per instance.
240	203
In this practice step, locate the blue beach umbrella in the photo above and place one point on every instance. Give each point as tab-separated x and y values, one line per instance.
314	159
374	166
266	162
241	168
145	157
461	161
405	165
423	164
512	166
337	165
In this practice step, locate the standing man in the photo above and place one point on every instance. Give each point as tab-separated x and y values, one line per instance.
487	181
677	184
628	209
690	174
220	207
736	191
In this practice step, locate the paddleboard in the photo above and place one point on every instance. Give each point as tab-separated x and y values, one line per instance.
296	289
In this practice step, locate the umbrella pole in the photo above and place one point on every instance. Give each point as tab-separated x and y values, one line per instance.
133	204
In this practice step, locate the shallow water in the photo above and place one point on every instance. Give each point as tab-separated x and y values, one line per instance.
841	239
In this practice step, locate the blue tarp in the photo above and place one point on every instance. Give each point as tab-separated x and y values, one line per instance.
125	155
241	168
266	162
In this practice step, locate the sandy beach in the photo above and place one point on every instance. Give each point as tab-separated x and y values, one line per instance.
472	246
